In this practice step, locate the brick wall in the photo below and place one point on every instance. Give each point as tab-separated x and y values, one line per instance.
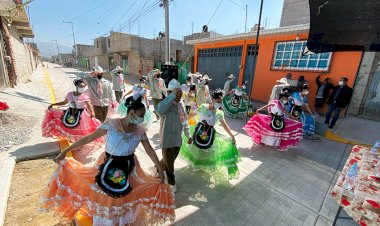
23	59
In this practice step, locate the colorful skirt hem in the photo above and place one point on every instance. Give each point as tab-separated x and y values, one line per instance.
258	127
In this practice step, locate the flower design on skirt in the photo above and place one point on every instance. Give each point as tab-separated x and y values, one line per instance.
117	176
204	135
70	119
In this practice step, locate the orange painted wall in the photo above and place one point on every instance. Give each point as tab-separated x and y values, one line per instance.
342	64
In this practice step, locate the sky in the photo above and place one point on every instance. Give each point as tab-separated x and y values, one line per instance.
94	18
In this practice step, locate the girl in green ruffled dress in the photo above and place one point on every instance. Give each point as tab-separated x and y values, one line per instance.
235	102
211	151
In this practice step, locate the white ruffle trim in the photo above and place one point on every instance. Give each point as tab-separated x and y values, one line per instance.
256	128
105	214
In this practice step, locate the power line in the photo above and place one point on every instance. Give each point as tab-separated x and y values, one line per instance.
90	10
126	12
243	7
87	25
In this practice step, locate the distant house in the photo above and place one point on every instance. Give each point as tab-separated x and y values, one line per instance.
136	55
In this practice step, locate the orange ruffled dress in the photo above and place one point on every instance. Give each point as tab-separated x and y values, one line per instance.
73	188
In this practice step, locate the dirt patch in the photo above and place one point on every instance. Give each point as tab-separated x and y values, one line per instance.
28	184
14	129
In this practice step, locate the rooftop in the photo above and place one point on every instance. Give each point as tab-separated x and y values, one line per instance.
250	35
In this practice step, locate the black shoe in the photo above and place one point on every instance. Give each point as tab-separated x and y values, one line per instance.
326	122
331	127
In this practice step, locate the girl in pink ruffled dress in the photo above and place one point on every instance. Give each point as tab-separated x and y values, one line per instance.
275	129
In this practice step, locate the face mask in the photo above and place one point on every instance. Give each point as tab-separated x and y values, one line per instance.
341	83
243	87
284	101
138	121
99	76
142	84
217	105
81	89
306	92
192	94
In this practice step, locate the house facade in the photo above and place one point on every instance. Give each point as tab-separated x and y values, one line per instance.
279	52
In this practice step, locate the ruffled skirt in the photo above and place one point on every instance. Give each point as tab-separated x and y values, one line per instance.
72	190
308	123
235	111
52	126
220	160
259	128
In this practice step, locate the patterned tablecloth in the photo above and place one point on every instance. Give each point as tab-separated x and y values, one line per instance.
362	202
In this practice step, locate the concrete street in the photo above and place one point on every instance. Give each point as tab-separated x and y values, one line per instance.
274	188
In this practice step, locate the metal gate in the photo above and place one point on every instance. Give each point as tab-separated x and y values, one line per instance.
248	68
218	63
370	106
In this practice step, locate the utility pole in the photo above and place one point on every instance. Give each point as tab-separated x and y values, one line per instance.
246	15
255	55
58	55
165	4
75	49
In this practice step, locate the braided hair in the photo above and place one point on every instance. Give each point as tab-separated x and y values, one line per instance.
218	93
133	104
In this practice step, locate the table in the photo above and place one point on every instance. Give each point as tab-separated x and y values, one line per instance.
362	202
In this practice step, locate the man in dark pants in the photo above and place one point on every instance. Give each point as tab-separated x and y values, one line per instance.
338	101
100	93
322	92
173	121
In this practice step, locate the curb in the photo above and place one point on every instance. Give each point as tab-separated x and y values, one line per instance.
7	166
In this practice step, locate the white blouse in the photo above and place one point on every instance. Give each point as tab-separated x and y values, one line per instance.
120	143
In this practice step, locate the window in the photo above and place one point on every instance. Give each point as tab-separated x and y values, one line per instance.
97	43
288	55
109	43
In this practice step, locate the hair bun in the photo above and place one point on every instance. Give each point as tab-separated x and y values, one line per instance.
130	101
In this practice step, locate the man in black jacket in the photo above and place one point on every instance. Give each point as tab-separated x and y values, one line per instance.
322	92
338	101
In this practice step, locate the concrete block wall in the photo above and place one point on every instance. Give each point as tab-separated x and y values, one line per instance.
23	56
137	65
295	12
119	42
102	60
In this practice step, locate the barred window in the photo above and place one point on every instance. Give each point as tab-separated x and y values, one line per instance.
288	55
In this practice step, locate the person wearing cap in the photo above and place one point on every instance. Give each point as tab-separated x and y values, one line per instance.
173	123
203	91
157	88
227	84
118	82
100	93
276	90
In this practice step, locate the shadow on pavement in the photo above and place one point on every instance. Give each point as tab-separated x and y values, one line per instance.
26	96
39	150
